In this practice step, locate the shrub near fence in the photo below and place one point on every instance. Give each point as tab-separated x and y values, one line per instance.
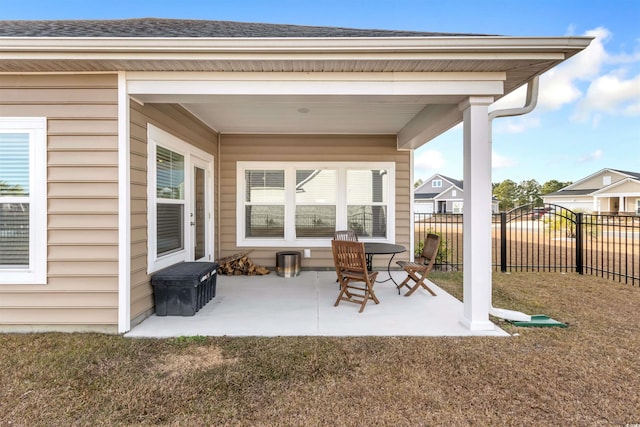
547	238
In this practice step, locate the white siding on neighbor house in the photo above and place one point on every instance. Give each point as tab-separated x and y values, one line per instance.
422	207
580	204
82	191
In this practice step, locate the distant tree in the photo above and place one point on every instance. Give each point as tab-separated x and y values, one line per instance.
528	192
418	183
553	186
506	193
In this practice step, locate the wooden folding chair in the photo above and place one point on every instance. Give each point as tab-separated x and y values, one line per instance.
418	271
349	235
351	267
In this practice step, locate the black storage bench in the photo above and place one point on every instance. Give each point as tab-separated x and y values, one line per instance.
183	289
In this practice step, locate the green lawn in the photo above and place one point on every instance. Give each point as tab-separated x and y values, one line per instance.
586	374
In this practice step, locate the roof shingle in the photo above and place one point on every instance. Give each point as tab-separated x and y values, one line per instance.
157	27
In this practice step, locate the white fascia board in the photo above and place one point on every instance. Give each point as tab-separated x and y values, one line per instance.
462	46
365	84
315	75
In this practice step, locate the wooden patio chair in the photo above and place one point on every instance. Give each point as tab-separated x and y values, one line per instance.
418	271
348	235
356	282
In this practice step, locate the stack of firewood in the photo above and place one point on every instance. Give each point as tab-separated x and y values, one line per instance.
240	265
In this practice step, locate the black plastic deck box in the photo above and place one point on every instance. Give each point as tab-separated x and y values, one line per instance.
183	289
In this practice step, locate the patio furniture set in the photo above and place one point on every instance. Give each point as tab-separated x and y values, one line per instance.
353	261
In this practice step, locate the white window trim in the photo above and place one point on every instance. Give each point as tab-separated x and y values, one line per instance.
157	136
436	183
289	239
36	273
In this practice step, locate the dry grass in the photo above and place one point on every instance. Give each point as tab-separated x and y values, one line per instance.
586	374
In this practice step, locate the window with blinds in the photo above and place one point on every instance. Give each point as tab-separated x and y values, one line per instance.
304	203
14	200
170	201
23	200
367	201
264	203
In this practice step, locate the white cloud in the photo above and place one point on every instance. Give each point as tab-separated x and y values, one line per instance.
610	90
429	159
515	125
611	94
590	157
559	86
501	162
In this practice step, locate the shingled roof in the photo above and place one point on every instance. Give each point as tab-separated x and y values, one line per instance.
154	27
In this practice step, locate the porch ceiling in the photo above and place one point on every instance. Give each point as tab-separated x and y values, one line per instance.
331	114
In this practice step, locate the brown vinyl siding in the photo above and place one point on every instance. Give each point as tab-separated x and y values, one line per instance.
182	124
304	148
82	206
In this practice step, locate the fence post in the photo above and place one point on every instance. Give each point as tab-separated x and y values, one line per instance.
579	243
503	242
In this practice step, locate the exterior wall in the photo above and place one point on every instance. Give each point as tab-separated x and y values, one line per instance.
82	215
626	188
596	181
182	124
421	206
580	204
234	148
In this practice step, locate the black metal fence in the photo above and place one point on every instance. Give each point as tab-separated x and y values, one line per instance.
546	238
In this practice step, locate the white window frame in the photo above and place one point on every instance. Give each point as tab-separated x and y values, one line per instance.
436	183
289	238
36	272
155	137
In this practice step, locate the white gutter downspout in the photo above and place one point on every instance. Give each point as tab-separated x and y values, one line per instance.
530	104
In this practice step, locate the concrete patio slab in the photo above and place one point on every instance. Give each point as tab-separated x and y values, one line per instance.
303	306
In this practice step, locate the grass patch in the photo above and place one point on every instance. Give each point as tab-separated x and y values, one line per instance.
583	375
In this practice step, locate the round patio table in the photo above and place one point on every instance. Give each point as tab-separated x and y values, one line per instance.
377	248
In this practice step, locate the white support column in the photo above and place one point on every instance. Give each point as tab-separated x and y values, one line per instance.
477	214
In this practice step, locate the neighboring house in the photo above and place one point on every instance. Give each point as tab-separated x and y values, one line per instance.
130	145
608	191
443	195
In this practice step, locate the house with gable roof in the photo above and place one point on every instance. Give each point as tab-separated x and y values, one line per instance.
127	146
608	191
443	195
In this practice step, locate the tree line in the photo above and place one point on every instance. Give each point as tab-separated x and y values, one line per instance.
511	194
